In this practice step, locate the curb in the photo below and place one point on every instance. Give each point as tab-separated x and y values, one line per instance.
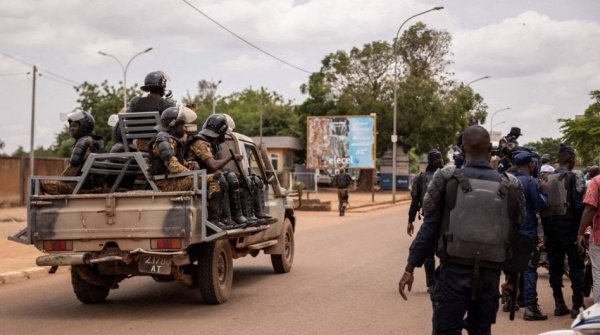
17	276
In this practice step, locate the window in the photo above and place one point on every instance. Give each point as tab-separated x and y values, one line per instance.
275	161
288	161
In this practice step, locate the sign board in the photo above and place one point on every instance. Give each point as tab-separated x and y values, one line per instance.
340	142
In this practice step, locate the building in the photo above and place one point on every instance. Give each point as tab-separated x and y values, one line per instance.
281	149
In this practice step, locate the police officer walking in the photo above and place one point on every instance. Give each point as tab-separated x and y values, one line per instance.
342	181
471	251
535	201
561	222
417	193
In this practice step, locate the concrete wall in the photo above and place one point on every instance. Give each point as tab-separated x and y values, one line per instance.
14	173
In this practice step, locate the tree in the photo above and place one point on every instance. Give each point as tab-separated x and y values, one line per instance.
547	145
584	133
279	116
2	147
431	109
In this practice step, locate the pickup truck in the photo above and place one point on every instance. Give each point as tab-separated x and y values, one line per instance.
108	237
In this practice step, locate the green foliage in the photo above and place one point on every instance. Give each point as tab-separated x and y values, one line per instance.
584	133
431	110
279	116
548	146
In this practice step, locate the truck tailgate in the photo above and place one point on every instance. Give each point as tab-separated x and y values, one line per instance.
111	216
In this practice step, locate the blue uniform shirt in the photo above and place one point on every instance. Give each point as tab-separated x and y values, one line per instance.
535	201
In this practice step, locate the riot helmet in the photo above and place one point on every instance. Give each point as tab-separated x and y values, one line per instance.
85	119
156	80
216	126
173	117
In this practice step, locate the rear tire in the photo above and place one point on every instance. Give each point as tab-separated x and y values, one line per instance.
215	271
283	263
85	291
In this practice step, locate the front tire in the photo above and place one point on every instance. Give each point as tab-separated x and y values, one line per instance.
283	263
85	291
215	271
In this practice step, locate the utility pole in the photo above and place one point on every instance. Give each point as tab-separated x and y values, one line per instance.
261	117
31	143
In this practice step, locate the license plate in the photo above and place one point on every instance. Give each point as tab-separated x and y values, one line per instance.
160	265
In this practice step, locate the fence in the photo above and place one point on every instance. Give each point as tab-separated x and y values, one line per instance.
14	173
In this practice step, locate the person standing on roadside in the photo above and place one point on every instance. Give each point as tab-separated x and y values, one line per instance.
471	243
591	217
417	193
561	220
535	201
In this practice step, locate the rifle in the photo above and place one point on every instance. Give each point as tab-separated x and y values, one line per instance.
237	164
513	280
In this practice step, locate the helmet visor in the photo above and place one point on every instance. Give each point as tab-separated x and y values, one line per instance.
186	114
76	115
230	124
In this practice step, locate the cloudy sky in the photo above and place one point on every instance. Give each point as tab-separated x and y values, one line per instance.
542	55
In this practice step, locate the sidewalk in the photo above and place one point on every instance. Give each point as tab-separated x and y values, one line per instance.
17	261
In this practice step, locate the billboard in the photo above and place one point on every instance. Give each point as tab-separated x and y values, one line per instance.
340	142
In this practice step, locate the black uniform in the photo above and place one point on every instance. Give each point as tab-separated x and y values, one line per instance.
453	294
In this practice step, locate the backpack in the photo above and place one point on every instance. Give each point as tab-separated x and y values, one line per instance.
341	181
476	228
425	178
559	195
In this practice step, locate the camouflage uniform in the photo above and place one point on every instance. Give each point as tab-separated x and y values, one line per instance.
55	187
176	166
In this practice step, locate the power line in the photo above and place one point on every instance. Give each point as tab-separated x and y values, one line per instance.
60	81
45	70
246	41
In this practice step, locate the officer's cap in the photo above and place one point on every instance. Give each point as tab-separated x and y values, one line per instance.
522	158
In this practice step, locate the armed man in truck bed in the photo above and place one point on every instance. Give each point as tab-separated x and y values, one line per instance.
167	153
81	127
242	206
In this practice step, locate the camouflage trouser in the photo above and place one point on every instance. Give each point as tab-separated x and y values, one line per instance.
342	197
55	187
187	184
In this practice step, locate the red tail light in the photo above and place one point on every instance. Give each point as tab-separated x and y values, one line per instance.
165	243
58	245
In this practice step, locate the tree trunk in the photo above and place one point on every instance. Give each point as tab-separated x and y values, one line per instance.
365	180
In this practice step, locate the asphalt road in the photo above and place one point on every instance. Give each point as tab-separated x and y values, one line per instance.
344	281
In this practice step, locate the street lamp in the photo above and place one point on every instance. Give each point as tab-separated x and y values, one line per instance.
482	78
492	128
214	98
124	68
394	134
492	118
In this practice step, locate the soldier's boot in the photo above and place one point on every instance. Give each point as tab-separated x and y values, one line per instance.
214	210
578	306
506	305
258	201
236	209
533	311
560	308
226	215
247	209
